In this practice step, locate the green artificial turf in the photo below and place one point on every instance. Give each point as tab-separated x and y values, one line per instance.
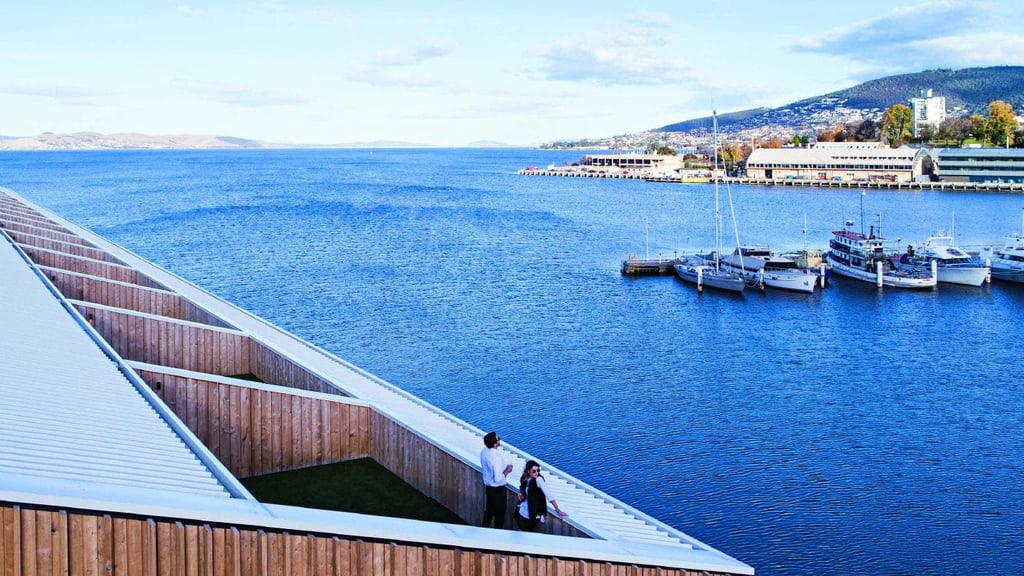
361	486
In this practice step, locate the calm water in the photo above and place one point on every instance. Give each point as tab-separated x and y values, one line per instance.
854	431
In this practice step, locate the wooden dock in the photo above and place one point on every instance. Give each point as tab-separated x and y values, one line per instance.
634	266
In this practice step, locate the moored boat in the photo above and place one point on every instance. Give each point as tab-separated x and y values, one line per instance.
1007	263
856	255
758	265
704	273
953	264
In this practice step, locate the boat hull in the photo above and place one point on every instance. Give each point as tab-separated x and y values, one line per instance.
794	281
892	278
707	277
1007	274
964	275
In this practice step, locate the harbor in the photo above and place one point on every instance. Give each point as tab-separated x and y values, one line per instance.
575	172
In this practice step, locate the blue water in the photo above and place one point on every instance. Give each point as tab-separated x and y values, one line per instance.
853	431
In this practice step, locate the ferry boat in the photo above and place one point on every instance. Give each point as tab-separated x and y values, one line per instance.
856	255
758	265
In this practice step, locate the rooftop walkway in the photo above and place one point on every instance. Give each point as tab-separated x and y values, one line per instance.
55	437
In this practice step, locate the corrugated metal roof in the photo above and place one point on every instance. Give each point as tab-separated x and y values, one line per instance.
67	413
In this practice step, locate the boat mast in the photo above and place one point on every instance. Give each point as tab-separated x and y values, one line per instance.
718	216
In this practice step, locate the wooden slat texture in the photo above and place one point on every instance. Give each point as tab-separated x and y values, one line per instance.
231	421
44	541
269	366
169	342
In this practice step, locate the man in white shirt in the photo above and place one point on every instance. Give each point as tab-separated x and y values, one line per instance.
494	471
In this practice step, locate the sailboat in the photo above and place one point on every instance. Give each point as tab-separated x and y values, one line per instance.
760	266
706	270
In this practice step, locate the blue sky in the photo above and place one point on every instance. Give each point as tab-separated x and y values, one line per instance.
453	73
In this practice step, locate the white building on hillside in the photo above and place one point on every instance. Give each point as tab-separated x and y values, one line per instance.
928	110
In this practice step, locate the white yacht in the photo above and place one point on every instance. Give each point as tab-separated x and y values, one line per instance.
1008	262
856	255
758	265
954	265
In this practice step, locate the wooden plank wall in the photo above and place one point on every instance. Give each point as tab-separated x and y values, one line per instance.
39	228
89	266
75	248
129	296
37	541
438	474
255	432
169	342
270	366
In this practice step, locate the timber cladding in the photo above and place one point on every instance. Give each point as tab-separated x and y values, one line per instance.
58	541
255	431
89	266
445	478
98	290
169	342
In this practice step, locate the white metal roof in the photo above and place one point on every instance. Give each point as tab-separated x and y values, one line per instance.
68	414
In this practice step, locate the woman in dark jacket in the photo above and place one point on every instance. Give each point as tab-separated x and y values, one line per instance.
533	499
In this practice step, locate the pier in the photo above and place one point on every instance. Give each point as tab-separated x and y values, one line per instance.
133	401
634	266
576	172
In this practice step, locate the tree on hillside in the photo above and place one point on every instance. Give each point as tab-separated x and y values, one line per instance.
664	150
895	125
866	131
773	143
1001	123
979	127
826	135
801	140
839	134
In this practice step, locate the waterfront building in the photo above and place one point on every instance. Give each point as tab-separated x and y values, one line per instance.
928	110
631	161
978	164
840	161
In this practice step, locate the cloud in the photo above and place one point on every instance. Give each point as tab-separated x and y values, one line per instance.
926	35
54	93
248	98
396	67
635	56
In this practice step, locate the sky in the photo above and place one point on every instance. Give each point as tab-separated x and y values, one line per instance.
456	73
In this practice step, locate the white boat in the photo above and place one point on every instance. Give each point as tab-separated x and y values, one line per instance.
703	272
707	270
856	255
758	265
954	265
1008	262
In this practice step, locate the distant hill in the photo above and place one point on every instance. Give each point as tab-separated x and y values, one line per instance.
127	141
967	91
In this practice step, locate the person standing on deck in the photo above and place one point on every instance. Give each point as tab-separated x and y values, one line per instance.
494	471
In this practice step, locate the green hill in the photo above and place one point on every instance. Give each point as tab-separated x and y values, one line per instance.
967	91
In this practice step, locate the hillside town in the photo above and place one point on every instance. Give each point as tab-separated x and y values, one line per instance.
920	142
